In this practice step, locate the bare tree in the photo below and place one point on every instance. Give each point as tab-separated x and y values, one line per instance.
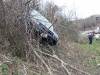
50	11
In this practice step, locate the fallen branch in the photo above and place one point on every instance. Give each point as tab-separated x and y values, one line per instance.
56	57
25	72
64	64
49	70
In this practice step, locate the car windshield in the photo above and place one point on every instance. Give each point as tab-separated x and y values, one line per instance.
36	16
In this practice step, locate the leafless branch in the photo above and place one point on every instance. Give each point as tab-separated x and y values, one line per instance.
49	70
63	63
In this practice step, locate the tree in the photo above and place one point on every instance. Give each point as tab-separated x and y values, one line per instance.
50	11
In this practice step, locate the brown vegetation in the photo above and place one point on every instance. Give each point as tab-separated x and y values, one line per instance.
23	55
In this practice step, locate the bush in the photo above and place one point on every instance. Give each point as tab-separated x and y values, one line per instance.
83	39
73	36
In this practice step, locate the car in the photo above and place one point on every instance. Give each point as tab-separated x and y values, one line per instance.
41	28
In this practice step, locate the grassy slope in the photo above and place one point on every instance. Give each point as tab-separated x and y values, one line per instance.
93	51
92	48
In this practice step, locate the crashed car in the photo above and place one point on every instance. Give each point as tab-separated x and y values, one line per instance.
41	28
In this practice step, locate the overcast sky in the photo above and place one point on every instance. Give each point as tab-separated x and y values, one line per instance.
83	8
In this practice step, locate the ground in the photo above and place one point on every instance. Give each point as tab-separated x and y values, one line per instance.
81	58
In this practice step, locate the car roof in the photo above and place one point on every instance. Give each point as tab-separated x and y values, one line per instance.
37	16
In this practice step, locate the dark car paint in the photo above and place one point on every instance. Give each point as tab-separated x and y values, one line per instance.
39	29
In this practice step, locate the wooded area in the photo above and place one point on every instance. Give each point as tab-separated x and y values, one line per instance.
24	55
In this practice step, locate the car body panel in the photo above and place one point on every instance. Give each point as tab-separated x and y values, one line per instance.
42	27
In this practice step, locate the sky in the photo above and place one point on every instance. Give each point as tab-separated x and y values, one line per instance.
83	8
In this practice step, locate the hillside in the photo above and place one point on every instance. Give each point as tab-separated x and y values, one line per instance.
62	59
23	53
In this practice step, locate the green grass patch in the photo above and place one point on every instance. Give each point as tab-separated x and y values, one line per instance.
5	70
92	48
17	72
98	60
92	63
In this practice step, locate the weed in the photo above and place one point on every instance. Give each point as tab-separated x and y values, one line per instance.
5	70
18	72
17	61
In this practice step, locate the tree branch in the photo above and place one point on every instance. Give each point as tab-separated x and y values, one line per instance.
34	50
63	63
